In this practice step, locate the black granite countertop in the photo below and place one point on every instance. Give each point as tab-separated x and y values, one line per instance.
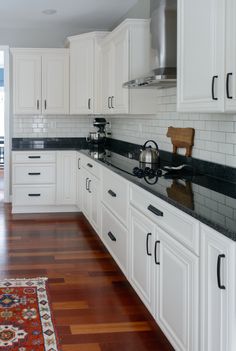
207	193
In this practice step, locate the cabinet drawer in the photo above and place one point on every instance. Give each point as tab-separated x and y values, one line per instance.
33	195
34	157
179	225
114	236
115	194
91	166
33	174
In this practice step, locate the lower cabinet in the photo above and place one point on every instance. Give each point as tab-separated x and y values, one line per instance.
165	275
114	236
218	305
177	286
141	263
66	177
90	195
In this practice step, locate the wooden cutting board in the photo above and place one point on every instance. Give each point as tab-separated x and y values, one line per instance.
182	138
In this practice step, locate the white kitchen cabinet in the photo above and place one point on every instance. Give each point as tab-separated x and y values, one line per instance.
230	72
115	237
27	83
125	55
55	83
218	307
33	181
79	182
177	287
141	244
85	73
40	81
66	177
91	206
201	55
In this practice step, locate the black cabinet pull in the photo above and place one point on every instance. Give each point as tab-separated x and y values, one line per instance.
45	104
227	86
109	102
218	271
34	174
155	252
111	236
213	88
147	241
155	211
89	182
89	165
89	103
34	195
37	104
34	156
112	100
78	163
86	186
111	193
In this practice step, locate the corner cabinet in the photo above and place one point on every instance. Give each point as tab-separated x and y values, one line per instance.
66	177
206	56
125	55
218	291
85	73
40	81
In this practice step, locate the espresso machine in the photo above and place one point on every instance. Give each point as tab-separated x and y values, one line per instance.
99	136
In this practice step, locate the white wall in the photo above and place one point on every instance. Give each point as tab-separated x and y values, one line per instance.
45	37
139	10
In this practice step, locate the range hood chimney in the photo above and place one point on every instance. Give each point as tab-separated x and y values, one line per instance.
163	29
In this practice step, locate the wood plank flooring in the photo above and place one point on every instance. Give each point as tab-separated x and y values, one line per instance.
94	306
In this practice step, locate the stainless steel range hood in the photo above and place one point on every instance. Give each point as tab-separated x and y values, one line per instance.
163	29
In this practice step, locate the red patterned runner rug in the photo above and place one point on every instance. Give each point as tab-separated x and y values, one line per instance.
26	322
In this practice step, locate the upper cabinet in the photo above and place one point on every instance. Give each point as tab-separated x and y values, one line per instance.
201	78
84	73
41	81
206	56
125	55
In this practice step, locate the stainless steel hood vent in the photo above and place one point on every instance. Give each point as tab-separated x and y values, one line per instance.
163	29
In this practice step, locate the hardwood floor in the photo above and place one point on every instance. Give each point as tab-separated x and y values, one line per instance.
94	306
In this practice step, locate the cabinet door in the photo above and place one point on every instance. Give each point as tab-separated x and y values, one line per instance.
201	55
27	83
55	86
230	78
79	181
107	77
85	194
95	205
66	177
82	62
141	257
217	303
177	303
120	95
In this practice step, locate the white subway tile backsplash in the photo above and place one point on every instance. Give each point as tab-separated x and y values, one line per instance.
215	134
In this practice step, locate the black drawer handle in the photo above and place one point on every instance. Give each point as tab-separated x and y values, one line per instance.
111	193
34	156
218	271
111	236
155	211
89	165
147	241
34	174
155	252
34	195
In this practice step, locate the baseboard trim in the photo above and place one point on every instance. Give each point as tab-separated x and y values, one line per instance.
44	209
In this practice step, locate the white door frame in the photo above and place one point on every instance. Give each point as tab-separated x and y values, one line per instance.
7	124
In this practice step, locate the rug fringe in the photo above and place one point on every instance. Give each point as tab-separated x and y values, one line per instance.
14	279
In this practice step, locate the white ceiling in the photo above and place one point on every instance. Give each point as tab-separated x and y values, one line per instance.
91	14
